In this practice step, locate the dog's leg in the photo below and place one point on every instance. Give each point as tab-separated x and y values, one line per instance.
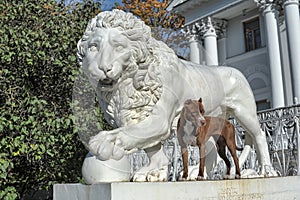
232	148
222	153
185	155
202	161
237	167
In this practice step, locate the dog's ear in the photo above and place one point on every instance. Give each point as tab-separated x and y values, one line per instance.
201	107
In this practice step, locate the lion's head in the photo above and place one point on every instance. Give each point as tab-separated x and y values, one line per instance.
112	45
122	61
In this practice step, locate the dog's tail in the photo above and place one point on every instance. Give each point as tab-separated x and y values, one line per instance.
239	148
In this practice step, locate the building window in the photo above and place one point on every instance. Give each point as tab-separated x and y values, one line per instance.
252	34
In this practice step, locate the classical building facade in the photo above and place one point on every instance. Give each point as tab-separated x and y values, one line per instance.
259	37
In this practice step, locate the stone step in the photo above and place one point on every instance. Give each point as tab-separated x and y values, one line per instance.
279	188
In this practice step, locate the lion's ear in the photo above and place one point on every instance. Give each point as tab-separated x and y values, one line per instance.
200	100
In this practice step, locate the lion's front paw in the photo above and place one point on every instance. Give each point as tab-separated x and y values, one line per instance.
152	175
103	146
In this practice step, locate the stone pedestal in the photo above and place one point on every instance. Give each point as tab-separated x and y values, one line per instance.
263	188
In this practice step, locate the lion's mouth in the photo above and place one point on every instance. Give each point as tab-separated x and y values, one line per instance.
106	84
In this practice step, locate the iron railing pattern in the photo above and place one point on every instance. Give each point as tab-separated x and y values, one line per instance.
281	126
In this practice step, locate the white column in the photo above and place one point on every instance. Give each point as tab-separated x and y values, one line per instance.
210	44
222	50
195	47
270	16
221	26
291	12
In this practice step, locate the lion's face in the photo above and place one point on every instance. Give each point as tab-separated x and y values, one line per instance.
107	54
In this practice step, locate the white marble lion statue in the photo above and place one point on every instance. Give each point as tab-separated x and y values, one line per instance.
142	86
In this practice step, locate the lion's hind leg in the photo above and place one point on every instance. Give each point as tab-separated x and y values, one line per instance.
246	116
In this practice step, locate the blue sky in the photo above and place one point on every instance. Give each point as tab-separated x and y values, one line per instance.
108	4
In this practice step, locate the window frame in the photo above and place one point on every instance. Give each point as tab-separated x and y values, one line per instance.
255	40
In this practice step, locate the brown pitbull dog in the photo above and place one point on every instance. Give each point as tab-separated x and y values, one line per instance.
190	119
220	129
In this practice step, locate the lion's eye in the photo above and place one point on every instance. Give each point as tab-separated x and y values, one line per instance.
93	47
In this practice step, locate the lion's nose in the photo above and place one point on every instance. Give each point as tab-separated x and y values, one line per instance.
105	68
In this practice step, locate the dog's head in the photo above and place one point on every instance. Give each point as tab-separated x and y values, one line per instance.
192	112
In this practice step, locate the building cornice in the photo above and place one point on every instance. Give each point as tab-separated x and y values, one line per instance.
207	26
267	5
215	11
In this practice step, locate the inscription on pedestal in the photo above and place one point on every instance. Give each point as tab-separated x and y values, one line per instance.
232	193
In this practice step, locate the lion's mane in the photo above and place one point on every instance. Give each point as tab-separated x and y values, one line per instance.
140	85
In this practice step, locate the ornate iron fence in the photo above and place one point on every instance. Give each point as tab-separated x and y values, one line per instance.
281	126
282	130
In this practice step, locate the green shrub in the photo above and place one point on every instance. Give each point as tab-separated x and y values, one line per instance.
38	65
